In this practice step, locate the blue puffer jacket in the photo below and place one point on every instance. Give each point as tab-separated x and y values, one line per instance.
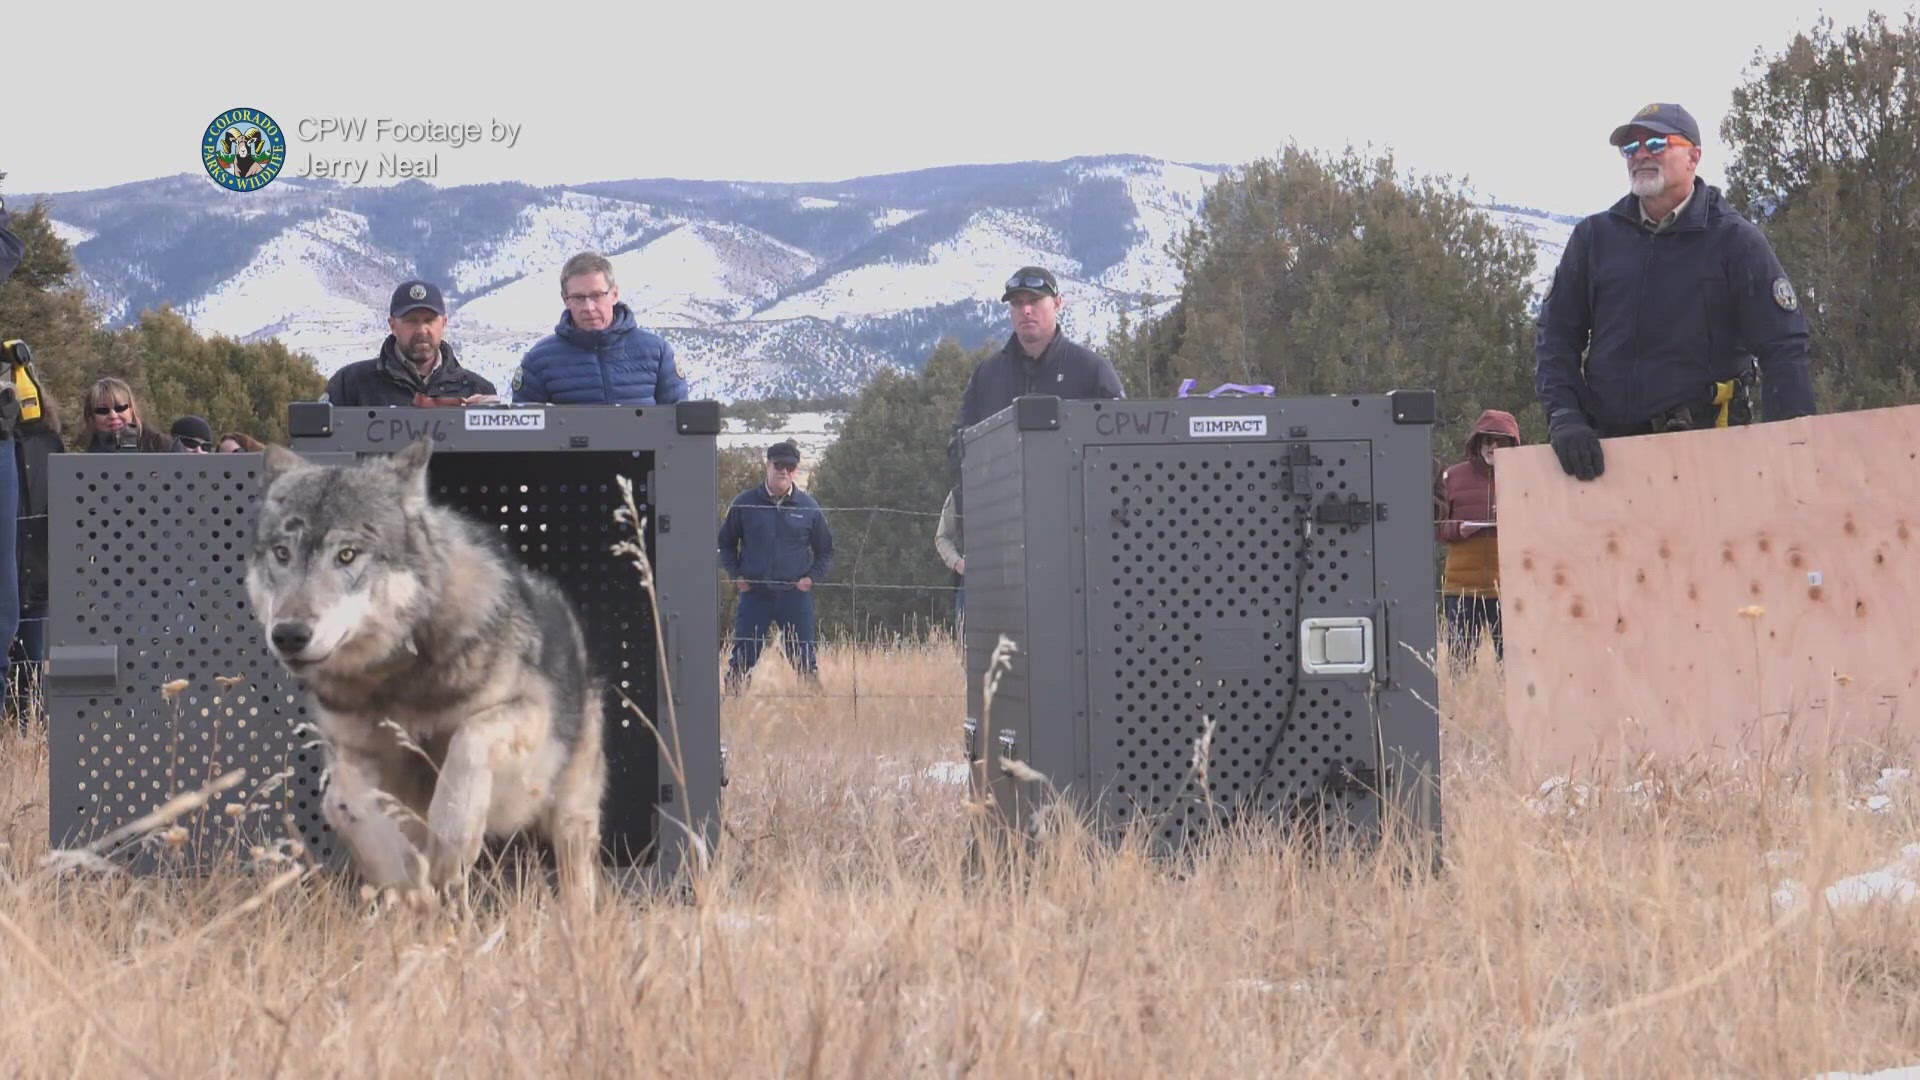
621	365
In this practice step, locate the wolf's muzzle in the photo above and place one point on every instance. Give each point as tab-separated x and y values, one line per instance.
289	638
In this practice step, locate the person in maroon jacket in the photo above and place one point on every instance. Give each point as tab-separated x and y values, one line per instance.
1465	510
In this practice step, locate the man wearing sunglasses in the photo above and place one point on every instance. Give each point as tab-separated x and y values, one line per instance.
1661	306
192	435
775	544
415	360
1037	358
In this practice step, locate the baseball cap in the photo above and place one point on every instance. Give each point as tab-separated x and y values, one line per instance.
1661	118
193	427
784	451
417	294
1031	279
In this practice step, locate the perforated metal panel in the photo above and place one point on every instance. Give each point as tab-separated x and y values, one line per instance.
1154	562
560	521
1192	561
996	579
149	555
148	567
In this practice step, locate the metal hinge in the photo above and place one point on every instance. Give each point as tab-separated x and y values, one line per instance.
1298	479
1009	744
1355	511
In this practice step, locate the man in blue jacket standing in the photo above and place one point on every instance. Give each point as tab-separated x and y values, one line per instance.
1660	307
775	545
597	354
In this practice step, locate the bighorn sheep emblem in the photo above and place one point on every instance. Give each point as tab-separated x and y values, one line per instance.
245	151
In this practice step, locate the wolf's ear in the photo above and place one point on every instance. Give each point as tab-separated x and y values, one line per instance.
410	466
278	461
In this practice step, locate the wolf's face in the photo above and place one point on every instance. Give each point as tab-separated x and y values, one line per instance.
332	578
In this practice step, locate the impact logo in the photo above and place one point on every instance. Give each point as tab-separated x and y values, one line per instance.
243	149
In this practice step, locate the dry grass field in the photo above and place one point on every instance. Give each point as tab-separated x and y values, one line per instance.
1682	921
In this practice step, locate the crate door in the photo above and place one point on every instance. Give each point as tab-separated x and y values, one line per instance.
1201	562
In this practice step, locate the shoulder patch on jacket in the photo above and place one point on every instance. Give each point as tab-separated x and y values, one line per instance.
519	376
1783	294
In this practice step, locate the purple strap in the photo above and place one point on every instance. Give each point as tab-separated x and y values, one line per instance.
1186	385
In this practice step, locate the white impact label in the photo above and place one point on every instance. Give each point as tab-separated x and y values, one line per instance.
1213	427
506	419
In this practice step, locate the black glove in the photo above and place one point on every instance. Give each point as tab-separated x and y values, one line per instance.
1579	449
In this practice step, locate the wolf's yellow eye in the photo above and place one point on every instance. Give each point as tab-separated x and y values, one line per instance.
347	555
281	553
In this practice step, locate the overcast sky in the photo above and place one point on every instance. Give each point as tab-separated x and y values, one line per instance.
1513	95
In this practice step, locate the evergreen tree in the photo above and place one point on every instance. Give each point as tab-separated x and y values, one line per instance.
883	482
44	305
1338	275
1825	138
234	385
173	369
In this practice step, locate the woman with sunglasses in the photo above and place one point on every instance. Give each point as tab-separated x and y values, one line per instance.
239	442
117	423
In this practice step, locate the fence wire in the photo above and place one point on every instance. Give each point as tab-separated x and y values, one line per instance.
937	630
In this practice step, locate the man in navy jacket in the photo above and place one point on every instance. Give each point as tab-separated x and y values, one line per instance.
597	354
1660	307
775	544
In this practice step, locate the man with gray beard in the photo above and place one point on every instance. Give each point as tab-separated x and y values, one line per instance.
1661	307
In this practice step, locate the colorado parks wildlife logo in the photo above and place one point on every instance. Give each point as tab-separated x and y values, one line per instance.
243	149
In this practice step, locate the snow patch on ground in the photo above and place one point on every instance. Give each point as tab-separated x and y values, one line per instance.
1898	882
813	432
321	286
74	235
964	267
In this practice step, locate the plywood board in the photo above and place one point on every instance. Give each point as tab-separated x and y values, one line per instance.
1714	592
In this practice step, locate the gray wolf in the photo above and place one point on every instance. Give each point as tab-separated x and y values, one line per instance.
454	690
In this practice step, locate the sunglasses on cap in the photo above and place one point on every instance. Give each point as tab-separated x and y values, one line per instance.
1654	145
103	410
1029	282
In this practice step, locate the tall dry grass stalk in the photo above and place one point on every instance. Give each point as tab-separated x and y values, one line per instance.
1671	922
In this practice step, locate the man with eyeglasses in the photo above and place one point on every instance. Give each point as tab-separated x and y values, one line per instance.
415	365
1037	358
597	354
775	545
1661	306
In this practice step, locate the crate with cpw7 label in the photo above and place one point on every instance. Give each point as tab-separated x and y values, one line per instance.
1202	609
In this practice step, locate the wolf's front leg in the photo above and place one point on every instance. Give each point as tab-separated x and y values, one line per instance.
573	821
457	817
368	819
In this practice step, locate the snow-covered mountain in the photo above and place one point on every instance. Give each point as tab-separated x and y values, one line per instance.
799	290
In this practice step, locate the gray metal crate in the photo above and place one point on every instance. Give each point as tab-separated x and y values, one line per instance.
1159	564
148	565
